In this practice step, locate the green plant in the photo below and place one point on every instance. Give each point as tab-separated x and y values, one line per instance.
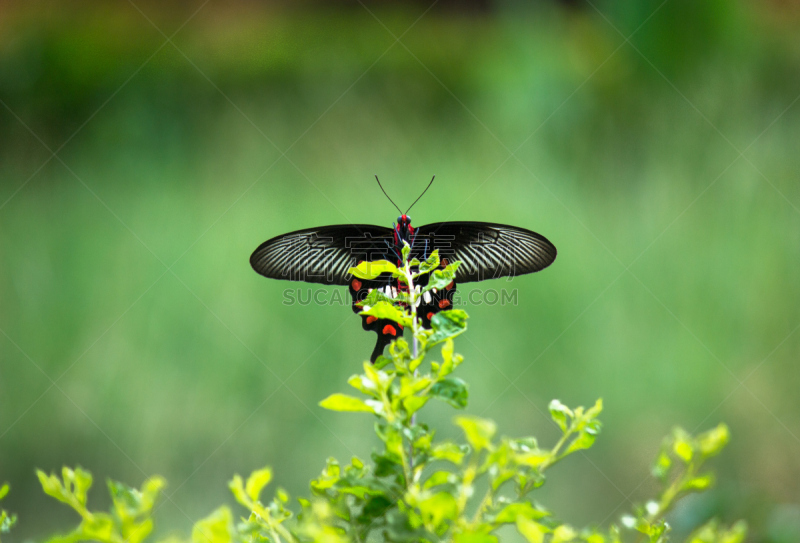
129	520
7	520
418	487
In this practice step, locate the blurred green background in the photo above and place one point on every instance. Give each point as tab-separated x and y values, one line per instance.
654	142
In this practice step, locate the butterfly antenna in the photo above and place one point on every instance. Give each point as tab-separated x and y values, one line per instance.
384	191
420	196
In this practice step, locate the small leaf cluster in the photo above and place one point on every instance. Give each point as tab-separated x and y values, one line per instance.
7	520
678	468
415	487
129	520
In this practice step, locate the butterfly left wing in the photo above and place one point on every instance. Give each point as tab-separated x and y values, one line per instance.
386	329
321	255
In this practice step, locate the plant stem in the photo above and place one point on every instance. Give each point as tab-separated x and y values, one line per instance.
412	305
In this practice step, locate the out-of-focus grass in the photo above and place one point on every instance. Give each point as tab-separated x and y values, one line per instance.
125	276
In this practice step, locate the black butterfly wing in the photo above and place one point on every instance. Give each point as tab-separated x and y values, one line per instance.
485	250
432	302
321	255
386	329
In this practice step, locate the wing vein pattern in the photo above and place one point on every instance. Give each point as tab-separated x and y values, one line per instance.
486	250
320	255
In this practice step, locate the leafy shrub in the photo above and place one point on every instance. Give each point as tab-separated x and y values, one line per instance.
417	487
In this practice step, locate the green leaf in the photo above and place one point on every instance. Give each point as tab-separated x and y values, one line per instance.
6	521
712	532
681	445
382	361
479	432
135	532
563	533
52	486
236	486
474	537
376	506
81	481
412	385
424	441
282	495
215	528
561	414
736	534
583	441
447	324
130	503
595	410
371	270
256	482
451	390
4	490
405	251
524	444
431	263
363	384
99	526
385	310
438	478
439	279
387	466
533	458
343	402
700	483
438	508
126	500
714	440
151	488
413	403
532	531
447	358
375	296
511	512
448	451
662	465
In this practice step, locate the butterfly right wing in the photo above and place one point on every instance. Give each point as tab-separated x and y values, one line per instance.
485	250
321	255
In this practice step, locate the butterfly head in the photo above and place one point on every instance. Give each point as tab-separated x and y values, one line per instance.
404	228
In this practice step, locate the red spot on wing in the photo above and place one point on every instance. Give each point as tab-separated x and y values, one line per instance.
430	315
371	319
356	284
444	262
389	329
448	287
444	303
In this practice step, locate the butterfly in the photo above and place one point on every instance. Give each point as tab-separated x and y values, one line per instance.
325	254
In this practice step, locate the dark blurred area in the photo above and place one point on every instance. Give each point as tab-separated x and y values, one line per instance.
654	142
